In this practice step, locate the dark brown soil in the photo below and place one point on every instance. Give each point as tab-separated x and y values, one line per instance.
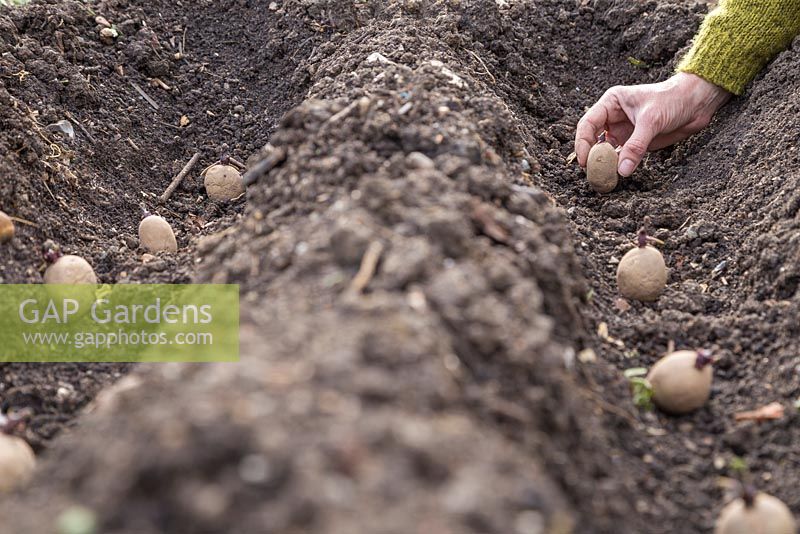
446	395
87	193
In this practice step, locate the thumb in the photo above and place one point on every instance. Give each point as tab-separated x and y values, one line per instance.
635	147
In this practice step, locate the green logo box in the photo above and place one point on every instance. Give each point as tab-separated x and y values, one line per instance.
119	323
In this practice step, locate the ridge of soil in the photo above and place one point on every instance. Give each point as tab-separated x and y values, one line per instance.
446	394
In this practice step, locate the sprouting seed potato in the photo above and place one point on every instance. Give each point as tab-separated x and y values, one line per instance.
601	167
223	182
156	235
17	462
681	381
765	514
6	228
642	273
70	270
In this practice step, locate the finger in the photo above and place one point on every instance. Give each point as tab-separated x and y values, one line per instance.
607	109
636	146
586	136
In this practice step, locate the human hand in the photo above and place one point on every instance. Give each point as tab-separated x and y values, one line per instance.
649	117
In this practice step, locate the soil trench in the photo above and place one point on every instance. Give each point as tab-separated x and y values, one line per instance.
442	392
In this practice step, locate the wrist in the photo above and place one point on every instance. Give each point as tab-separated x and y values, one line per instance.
702	94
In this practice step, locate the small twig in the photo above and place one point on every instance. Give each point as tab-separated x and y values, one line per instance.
48	190
367	269
773	410
299	47
23	221
83	129
276	157
237	163
160	83
476	56
144	95
343	113
173	185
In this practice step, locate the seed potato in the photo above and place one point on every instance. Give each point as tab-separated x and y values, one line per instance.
17	462
766	515
642	274
679	387
6	228
223	182
156	235
70	270
601	167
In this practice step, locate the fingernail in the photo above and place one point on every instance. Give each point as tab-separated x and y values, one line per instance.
626	167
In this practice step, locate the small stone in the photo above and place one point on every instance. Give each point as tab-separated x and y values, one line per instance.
706	231
529	522
622	305
130	242
254	469
418	160
587	355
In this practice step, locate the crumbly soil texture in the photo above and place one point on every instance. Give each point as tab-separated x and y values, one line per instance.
432	340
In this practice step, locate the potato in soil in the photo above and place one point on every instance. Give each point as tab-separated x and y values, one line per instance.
764	515
70	270
223	182
601	167
681	381
156	235
17	462
642	274
6	228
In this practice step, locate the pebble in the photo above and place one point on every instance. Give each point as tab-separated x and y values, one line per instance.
529	522
130	242
587	356
418	160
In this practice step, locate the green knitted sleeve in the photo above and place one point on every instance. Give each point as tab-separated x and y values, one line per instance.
738	38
